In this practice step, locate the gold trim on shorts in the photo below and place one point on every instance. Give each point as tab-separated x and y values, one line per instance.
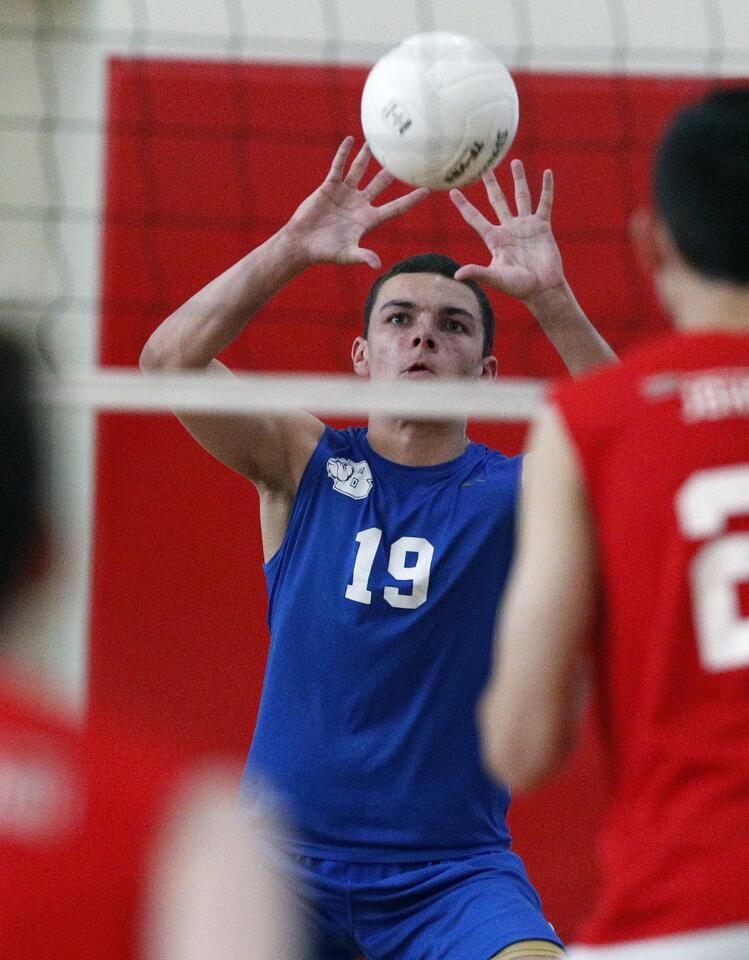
529	948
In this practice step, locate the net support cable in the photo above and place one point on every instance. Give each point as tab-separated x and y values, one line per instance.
113	389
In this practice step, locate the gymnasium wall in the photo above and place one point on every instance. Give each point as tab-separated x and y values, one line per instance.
145	145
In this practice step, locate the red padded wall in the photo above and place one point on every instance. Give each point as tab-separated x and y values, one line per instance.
205	160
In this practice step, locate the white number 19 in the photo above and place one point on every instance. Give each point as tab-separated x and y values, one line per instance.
417	572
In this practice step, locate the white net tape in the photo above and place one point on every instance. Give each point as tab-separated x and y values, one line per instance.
506	399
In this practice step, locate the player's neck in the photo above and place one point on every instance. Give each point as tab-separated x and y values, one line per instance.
417	443
711	306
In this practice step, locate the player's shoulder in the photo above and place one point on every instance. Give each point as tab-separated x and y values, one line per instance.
600	404
686	352
339	440
486	464
346	446
642	393
672	352
492	459
609	393
613	376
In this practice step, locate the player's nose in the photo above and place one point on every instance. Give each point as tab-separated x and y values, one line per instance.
424	333
428	342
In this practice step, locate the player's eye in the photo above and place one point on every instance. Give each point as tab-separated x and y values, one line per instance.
398	319
455	326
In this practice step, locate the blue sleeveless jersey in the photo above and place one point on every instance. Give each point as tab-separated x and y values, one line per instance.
382	604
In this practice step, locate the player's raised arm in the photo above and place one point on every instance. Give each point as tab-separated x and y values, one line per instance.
528	715
526	263
326	228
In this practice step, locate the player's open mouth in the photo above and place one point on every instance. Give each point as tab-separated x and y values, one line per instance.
418	368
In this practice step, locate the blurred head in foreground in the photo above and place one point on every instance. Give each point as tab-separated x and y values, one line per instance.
111	847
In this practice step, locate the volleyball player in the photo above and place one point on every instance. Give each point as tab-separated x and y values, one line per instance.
110	847
634	550
386	551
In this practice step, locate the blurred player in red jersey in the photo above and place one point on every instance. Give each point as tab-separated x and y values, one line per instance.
634	542
109	849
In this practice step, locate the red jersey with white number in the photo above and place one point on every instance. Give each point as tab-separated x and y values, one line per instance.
663	441
79	816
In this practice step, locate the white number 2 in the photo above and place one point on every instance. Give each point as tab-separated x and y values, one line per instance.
703	504
416	572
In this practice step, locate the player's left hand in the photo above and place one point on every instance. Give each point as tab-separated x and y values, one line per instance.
525	257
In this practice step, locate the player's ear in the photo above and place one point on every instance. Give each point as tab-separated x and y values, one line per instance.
647	240
360	357
489	368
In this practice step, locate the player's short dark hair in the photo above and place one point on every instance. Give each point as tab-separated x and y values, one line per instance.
702	184
445	267
20	481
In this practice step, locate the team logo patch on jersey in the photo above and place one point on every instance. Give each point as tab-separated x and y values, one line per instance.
352	479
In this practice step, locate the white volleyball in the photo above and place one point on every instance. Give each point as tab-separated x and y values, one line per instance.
439	109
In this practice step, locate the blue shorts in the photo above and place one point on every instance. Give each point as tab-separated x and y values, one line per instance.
467	908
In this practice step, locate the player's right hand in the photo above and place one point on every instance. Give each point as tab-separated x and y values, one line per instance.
329	224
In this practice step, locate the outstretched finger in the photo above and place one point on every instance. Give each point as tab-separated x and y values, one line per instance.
358	167
522	192
401	205
383	178
339	160
547	196
470	214
472	271
496	196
